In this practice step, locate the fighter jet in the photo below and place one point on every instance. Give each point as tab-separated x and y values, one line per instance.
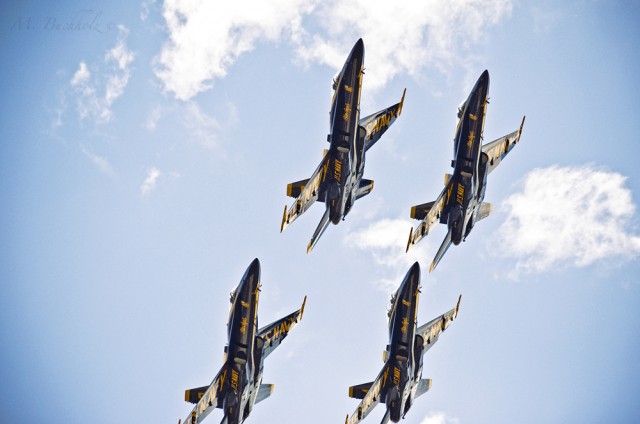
400	382
238	384
460	205
338	181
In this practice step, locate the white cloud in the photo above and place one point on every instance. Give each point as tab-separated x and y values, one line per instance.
86	86
100	162
150	181
568	216
386	240
206	37
439	418
81	76
403	37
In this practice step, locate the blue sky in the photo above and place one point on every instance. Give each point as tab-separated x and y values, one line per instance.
145	151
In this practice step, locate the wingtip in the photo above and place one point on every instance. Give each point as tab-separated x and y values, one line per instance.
410	240
455	315
346	420
521	125
402	102
284	219
309	247
304	302
432	267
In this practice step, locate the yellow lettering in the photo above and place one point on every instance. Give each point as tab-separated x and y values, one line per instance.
396	376
243	325
234	379
460	194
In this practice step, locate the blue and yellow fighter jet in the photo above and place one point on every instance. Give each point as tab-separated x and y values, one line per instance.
460	205
238	385
400	382
338	179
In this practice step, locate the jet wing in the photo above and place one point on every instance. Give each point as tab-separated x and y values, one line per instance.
308	195
431	216
210	398
432	330
274	333
376	124
371	399
498	149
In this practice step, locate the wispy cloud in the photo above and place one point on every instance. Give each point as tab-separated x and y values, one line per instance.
145	9
568	216
439	418
150	181
203	127
206	38
100	162
95	95
386	240
403	38
153	118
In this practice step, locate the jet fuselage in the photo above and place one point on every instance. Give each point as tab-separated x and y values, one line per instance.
404	361
469	174
243	362
347	147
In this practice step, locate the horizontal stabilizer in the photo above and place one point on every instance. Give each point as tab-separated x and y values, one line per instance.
485	211
294	189
423	386
194	395
420	211
359	391
264	392
364	188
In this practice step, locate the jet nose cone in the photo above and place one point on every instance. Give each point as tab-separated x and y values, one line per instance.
411	280
358	49
415	268
484	78
251	277
254	268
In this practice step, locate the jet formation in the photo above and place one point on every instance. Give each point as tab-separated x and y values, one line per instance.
338	180
400	382
238	385
460	205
